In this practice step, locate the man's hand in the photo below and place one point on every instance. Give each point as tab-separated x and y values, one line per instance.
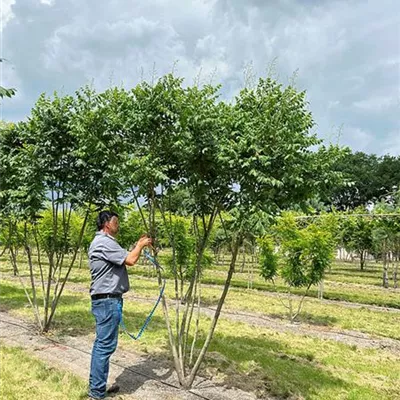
144	241
134	254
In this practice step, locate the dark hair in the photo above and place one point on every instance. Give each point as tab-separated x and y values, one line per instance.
103	217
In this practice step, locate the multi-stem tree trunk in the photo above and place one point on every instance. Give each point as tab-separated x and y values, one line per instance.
59	290
190	378
51	290
179	342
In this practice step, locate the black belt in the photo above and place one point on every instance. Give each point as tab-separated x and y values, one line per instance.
106	296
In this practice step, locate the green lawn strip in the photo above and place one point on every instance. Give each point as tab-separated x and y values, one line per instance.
340	271
355	277
25	377
308	367
314	312
281	363
318	313
338	291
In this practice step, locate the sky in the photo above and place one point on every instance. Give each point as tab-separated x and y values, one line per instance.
345	54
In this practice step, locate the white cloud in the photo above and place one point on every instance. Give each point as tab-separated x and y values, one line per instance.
347	53
391	143
6	12
377	104
333	104
357	138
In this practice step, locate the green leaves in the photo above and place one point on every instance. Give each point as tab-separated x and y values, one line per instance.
270	149
368	178
268	258
304	252
22	189
7	92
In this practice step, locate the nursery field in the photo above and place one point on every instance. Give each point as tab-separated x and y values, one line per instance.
344	346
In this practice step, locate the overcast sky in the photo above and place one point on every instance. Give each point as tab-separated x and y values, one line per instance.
346	53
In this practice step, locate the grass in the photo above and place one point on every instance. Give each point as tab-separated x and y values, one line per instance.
281	364
258	359
345	282
315	312
315	369
25	377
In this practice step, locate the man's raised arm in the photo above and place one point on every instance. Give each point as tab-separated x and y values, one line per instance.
133	256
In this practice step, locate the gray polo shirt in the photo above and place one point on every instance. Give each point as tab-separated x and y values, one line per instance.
107	267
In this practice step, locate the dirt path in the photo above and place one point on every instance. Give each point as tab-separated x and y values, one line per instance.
140	377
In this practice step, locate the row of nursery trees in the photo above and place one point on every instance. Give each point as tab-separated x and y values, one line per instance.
236	164
363	235
294	247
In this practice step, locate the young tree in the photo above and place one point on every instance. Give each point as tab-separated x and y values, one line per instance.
386	240
305	252
246	160
356	234
61	157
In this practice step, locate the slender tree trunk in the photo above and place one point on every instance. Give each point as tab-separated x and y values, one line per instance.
217	255
31	272
385	277
187	330
301	302
362	260
80	258
46	304
321	289
39	258
196	332
14	261
243	258
13	250
290	308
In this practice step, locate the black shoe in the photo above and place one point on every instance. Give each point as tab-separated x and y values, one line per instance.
113	388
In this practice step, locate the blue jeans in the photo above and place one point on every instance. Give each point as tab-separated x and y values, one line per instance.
107	315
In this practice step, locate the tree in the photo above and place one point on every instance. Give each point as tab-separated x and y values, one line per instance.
356	234
59	159
368	179
177	137
239	164
388	174
304	253
386	240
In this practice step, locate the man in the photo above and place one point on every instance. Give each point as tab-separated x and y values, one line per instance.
108	260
